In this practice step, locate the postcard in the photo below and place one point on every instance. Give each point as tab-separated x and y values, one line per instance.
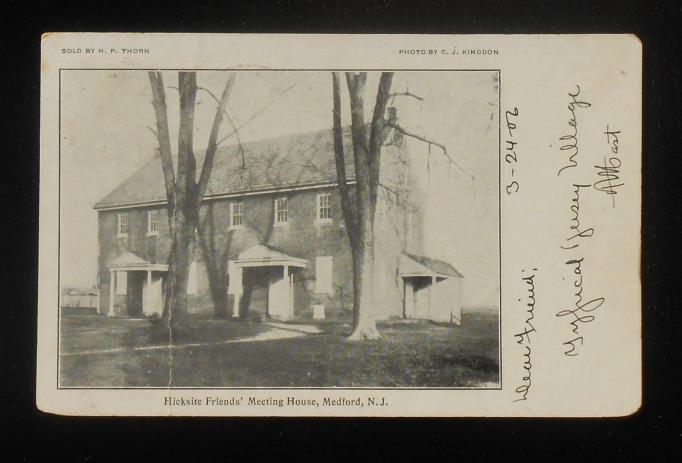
340	225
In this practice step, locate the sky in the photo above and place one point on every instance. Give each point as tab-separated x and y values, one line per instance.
106	116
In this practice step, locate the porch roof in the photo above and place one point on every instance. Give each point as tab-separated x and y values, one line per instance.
262	255
412	265
129	261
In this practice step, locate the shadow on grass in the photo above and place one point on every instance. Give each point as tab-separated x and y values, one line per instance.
409	354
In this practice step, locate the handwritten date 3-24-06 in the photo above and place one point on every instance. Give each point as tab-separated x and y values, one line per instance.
510	156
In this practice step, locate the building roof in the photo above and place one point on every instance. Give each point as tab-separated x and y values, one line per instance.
129	261
298	160
78	292
432	265
127	258
268	255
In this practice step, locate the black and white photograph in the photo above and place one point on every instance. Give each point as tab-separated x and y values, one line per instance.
279	229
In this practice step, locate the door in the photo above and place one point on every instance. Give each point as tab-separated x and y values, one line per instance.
153	296
279	294
136	281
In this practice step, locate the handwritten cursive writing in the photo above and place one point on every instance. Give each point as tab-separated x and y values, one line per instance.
576	231
571	139
581	311
609	172
523	338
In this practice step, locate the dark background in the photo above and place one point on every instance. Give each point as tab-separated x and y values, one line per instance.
654	432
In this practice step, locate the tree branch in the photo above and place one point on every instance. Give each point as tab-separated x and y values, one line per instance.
405	93
234	129
156	135
187	83
378	117
212	144
163	135
376	138
349	212
430	142
361	156
256	114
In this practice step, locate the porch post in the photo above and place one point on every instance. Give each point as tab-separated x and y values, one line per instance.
112	283
291	294
285	276
234	287
235	307
433	283
236	281
147	302
404	298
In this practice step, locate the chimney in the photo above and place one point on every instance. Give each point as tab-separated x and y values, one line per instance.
392	115
392	120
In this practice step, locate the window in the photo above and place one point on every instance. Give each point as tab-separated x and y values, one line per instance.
281	210
153	222
323	275
122	224
121	282
324	207
236	215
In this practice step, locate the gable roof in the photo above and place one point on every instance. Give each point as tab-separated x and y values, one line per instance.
434	265
298	160
268	255
127	258
129	261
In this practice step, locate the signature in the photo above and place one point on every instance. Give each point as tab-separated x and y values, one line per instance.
609	172
571	139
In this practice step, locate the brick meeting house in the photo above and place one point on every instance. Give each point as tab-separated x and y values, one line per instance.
272	218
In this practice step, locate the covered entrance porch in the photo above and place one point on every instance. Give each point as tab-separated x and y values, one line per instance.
135	286
262	278
431	289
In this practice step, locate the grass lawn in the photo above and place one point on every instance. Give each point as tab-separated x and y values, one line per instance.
415	354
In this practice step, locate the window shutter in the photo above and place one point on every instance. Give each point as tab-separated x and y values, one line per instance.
121	282
324	275
235	278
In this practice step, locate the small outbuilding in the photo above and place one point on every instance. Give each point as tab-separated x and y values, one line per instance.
79	300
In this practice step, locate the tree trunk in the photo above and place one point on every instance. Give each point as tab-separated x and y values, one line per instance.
215	262
219	297
181	256
364	326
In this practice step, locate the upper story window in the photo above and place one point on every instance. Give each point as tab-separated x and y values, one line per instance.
324	207
236	215
153	222
281	210
122	227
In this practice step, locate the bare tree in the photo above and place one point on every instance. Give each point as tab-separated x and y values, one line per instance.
359	209
359	205
183	191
